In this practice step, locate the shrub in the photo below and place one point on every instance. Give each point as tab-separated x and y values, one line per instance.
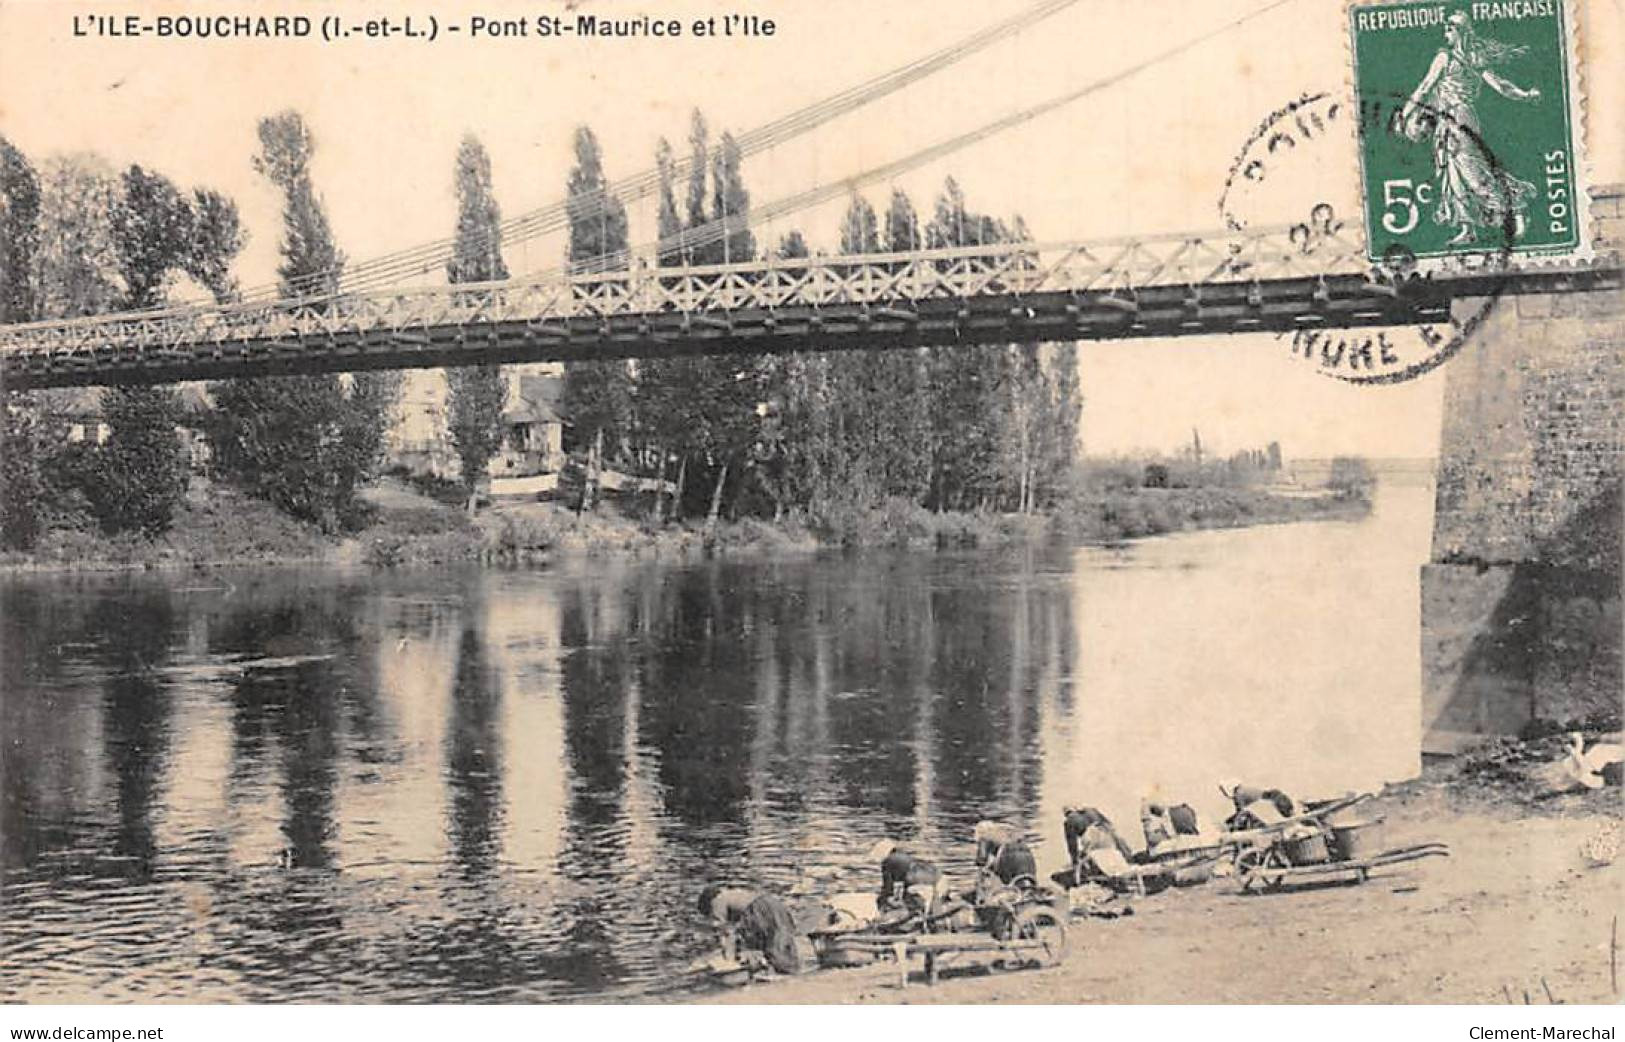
139	477
1351	477
21	485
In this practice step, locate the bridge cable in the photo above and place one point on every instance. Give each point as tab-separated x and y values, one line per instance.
713	231
426	257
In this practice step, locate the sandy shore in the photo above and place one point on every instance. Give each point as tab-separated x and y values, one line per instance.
1516	909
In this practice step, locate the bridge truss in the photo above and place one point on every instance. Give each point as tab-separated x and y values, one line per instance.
1272	280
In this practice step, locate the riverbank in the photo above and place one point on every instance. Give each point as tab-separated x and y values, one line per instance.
1515	914
220	527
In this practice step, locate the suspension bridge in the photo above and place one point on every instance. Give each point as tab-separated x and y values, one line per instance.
1002	293
638	304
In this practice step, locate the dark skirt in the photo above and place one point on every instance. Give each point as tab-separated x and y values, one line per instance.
1015	861
767	926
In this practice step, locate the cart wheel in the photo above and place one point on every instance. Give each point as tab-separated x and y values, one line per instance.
1041	924
1250	859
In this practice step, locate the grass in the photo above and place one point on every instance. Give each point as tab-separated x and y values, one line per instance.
219	526
1110	515
214	526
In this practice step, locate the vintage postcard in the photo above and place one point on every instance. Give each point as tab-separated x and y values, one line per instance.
1033	502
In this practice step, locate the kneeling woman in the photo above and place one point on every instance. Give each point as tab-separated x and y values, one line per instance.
757	921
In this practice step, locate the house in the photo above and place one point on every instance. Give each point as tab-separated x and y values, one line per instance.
532	430
418	442
80	412
532	453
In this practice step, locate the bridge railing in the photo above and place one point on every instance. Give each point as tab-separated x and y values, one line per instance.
1110	266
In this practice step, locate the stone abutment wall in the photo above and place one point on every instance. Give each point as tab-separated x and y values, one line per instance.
1521	599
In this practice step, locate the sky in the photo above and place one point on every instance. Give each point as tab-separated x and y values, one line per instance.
1146	154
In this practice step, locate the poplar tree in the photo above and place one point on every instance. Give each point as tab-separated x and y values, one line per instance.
961	382
729	387
303	443
658	403
597	394
794	438
475	393
856	463
901	377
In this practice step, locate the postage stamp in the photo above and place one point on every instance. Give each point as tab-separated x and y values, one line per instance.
1292	168
1471	129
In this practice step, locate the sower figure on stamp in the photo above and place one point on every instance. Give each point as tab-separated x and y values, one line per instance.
1473	192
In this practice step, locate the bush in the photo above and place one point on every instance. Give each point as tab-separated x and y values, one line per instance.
138	479
301	443
1351	477
21	485
519	533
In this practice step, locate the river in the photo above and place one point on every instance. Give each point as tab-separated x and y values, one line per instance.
489	785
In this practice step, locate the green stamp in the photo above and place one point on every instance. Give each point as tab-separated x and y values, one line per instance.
1470	129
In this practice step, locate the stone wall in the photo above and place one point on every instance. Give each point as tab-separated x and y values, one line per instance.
1521	601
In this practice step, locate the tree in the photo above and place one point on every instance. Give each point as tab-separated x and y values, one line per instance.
75	266
657	399
302	442
19	233
857	421
140	475
1351	477
476	392
699	162
961	383
21	485
597	394
74	273
794	445
706	405
217	238
152	236
901	380
730	202
311	261
1059	450
728	388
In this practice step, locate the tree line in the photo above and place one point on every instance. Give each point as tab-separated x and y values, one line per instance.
80	239
962	428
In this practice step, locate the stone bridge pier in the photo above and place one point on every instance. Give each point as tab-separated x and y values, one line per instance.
1521	597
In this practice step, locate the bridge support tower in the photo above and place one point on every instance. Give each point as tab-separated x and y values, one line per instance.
1521	597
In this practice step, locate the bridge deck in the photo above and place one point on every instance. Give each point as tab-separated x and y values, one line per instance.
1283	279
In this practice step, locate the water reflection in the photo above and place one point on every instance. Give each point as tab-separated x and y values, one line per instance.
509	786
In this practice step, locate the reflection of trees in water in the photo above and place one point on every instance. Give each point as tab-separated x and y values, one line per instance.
867	684
300	717
705	722
44	774
474	759
49	777
137	629
697	693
